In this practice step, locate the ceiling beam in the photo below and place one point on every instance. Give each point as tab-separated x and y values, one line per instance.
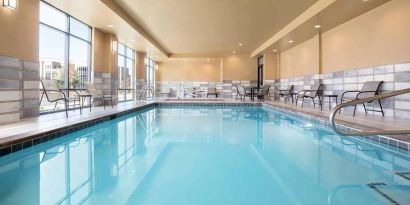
127	18
302	18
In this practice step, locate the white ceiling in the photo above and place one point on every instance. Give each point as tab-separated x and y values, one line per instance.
209	28
212	26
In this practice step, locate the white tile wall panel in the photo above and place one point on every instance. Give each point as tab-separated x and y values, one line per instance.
383	69
9	118
403	105
402	67
350	80
401	85
363	79
106	75
31	84
365	71
350	87
385	77
8	107
9	62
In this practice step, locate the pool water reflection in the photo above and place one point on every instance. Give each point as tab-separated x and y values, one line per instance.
202	155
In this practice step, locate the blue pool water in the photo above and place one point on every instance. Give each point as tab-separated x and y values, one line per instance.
198	155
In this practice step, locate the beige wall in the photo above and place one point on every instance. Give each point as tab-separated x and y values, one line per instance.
105	59
271	67
140	65
379	37
239	67
20	30
188	71
300	60
233	67
101	50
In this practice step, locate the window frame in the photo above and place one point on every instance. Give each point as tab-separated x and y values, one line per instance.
125	56
150	70
67	35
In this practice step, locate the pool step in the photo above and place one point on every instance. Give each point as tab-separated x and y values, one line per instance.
393	194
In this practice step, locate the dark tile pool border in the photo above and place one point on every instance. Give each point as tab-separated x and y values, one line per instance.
37	138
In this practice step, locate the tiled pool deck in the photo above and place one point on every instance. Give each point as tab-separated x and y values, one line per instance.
32	131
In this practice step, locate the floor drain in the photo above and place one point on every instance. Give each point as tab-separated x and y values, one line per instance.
375	186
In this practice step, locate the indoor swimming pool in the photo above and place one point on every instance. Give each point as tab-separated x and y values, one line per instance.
206	155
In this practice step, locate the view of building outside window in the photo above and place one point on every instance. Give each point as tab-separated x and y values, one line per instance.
65	52
126	70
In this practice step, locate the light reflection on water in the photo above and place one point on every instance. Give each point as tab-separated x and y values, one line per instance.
203	156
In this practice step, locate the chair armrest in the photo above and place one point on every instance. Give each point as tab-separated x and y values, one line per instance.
302	91
361	92
350	91
71	90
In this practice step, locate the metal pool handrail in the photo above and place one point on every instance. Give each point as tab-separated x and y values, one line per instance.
365	100
145	90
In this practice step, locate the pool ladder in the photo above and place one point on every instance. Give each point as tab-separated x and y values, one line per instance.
362	101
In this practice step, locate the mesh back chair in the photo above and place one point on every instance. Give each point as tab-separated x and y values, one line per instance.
172	92
274	92
264	92
313	93
286	94
241	92
98	95
191	92
54	95
212	91
369	89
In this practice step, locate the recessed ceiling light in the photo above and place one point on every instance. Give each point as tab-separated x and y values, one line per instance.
275	50
240	44
317	26
111	26
365	0
290	41
234	52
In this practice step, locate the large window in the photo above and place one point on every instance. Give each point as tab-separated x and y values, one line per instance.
65	50
150	71
126	65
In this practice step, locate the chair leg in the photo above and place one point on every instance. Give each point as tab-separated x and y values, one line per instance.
55	106
303	101
354	111
41	98
65	106
79	104
91	104
321	104
365	109
112	105
103	101
381	107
